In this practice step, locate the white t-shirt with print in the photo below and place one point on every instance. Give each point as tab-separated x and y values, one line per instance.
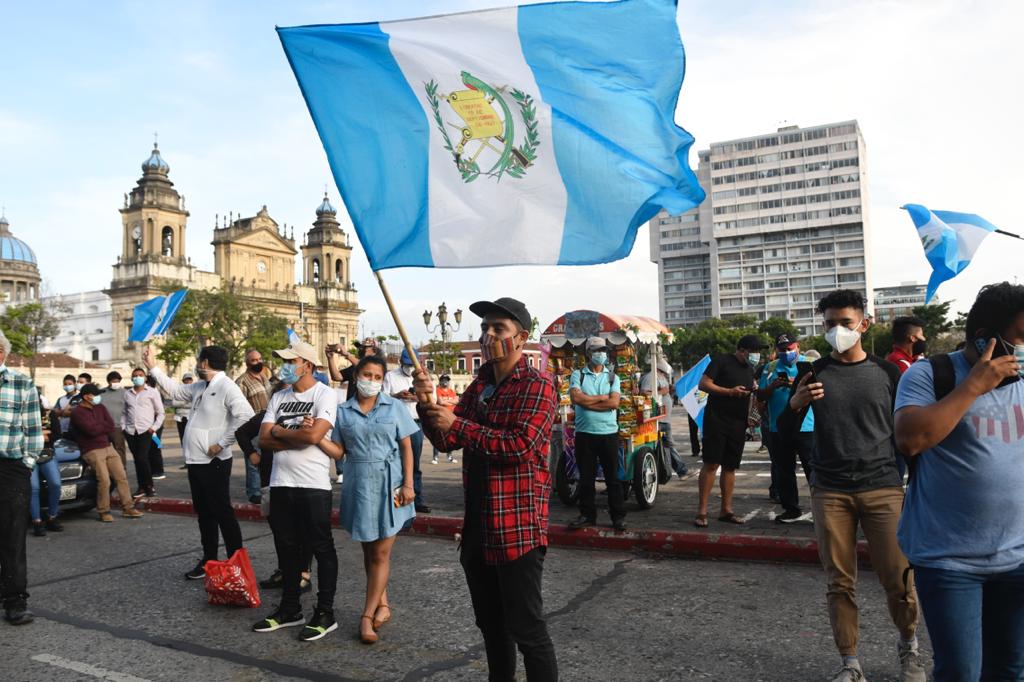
309	466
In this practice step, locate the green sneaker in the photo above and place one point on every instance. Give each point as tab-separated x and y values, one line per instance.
319	625
278	620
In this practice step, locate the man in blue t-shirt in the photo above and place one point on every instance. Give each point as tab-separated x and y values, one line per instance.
775	388
963	522
594	390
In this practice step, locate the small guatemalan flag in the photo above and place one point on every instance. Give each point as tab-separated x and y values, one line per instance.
154	317
541	134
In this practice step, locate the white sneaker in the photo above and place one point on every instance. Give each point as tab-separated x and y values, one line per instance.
434	461
911	664
850	673
452	460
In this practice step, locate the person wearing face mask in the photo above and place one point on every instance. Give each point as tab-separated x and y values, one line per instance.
218	409
143	414
775	388
729	382
447	397
398	384
855	480
296	421
963	522
255	385
113	400
908	342
594	390
663	377
373	432
62	407
94	425
503	425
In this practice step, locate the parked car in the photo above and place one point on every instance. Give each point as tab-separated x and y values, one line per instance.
77	479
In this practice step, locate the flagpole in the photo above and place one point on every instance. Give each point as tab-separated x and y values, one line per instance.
401	331
1009	234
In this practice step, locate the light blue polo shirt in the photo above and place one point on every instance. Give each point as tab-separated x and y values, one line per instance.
595	422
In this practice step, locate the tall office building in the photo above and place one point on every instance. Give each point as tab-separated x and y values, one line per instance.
785	221
893	302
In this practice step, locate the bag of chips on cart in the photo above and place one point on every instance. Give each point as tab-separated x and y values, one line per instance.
232	582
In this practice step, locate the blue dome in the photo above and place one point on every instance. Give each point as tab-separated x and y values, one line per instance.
326	207
155	164
12	248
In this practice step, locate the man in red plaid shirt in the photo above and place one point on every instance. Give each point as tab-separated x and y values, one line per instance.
503	424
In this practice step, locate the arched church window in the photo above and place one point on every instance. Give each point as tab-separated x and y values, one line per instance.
337	271
167	242
316	270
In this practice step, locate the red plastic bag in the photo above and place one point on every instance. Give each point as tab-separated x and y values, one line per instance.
232	582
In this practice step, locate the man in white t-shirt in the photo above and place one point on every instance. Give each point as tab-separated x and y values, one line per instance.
297	419
664	398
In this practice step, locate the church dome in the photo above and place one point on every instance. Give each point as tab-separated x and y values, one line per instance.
12	248
155	163
326	207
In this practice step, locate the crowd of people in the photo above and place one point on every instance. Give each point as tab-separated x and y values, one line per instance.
921	453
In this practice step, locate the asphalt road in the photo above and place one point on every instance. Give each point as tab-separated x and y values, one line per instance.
111	604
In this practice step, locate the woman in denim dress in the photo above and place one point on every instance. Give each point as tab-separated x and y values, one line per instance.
372	432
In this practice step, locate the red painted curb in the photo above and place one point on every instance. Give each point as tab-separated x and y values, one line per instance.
667	543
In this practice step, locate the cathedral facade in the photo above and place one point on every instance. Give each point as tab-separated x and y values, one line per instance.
253	257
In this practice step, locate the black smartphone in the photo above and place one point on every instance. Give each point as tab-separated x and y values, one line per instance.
807	368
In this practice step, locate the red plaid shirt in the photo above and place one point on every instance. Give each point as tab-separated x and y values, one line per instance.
509	435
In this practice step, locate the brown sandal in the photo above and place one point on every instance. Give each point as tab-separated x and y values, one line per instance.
731	518
700	521
370	638
377	623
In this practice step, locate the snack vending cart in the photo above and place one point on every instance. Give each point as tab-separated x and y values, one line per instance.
642	466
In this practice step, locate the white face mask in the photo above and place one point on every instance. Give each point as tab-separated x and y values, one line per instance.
407	370
753	359
367	388
115	384
842	338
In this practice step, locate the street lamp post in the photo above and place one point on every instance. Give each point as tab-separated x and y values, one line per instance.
443	326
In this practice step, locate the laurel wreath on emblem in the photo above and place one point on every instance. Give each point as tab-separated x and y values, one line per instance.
482	124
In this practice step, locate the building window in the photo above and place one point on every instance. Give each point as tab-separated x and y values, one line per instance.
462	364
316	270
430	364
476	364
167	242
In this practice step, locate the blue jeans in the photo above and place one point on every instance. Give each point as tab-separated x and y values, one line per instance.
976	623
252	479
417	475
52	471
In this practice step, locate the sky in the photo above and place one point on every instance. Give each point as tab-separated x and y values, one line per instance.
935	86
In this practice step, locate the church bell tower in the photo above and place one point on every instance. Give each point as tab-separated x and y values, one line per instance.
153	216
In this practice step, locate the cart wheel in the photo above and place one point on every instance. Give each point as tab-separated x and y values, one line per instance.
645	478
567	484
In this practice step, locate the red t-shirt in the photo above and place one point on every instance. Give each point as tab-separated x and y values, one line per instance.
901	359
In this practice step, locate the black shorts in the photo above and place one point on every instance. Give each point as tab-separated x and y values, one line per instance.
723	442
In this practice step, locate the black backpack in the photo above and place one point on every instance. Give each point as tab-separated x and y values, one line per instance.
943	383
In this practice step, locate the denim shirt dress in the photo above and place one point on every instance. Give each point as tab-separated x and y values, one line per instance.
373	467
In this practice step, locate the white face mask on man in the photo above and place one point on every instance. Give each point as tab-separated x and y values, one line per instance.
842	338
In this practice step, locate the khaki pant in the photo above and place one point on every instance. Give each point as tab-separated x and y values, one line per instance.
106	463
836	516
117	440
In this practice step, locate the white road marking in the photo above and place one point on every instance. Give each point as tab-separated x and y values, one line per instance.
764	475
751	515
86	669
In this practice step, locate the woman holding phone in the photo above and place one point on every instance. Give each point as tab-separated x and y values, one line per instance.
372	432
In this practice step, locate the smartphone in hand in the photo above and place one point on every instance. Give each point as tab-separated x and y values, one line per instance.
807	368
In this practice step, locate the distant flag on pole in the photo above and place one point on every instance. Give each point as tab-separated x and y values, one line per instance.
692	398
154	317
541	134
293	338
949	239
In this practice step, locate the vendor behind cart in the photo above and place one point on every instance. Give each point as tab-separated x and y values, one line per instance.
594	390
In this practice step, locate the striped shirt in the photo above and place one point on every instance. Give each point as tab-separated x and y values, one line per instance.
21	429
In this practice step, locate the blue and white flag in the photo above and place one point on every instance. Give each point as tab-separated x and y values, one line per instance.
691	397
949	240
154	317
541	134
293	338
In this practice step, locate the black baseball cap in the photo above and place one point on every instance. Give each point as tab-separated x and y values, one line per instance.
751	342
784	341
506	307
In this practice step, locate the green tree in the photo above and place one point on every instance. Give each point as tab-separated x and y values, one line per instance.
712	336
221	318
444	355
774	326
935	317
30	325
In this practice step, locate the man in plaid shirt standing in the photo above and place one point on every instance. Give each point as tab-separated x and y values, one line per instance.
503	424
21	439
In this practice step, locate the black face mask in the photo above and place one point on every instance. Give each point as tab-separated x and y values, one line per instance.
919	348
256	367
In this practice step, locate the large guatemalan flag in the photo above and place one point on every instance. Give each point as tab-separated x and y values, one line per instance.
949	240
154	317
540	134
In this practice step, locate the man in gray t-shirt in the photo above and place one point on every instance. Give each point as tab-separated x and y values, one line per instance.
854	480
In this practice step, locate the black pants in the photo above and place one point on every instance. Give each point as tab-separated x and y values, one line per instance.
181	429
15	488
783	451
591	449
211	498
694	436
156	455
509	610
301	517
139	444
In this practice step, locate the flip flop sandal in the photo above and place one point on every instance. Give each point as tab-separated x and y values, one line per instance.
700	521
731	518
